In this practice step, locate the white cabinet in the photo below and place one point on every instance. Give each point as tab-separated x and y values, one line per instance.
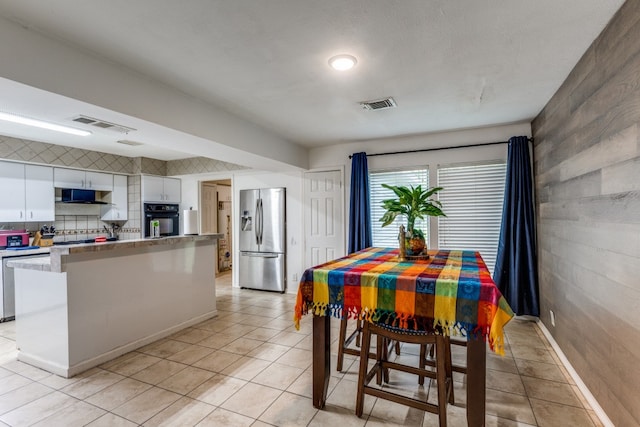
161	189
117	208
152	189
12	192
172	190
26	192
72	178
39	193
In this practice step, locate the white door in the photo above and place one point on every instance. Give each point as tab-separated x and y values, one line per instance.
209	208
324	219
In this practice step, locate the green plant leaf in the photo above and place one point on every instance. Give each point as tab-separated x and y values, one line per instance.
413	202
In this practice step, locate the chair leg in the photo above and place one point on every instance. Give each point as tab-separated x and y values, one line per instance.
382	354
423	356
341	339
449	369
362	372
441	378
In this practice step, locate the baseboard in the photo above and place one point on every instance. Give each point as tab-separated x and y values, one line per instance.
604	419
70	371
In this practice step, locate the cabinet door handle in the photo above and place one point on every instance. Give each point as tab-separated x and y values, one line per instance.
20	214
90	184
32	214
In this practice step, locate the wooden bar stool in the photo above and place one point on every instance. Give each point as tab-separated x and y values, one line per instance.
431	359
442	374
344	342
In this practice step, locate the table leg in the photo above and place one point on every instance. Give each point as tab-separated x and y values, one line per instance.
321	359
476	377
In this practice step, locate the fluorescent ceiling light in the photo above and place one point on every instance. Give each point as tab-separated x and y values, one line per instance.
43	125
342	62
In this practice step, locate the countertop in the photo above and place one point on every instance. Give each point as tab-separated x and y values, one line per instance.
54	263
4	253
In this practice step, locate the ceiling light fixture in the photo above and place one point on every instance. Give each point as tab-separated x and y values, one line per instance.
342	62
43	125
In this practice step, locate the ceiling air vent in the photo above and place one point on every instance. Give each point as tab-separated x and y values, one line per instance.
128	142
378	104
90	121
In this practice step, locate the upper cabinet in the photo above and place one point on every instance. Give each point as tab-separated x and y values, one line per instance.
26	192
161	189
117	209
39	193
172	190
72	178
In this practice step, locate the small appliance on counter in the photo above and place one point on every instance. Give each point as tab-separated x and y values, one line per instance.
190	225
13	238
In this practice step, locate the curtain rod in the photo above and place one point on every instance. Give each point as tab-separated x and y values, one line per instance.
440	148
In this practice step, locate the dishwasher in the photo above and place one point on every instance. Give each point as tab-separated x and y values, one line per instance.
7	286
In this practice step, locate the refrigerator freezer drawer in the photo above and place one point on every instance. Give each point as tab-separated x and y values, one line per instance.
263	271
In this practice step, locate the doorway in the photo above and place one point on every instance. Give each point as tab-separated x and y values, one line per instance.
324	229
216	217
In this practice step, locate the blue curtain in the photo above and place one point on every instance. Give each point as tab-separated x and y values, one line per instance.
359	208
516	273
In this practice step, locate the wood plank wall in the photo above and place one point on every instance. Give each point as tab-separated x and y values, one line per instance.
587	178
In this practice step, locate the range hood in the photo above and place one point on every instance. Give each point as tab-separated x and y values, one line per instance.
74	195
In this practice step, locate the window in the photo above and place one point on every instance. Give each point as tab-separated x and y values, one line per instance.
472	199
388	236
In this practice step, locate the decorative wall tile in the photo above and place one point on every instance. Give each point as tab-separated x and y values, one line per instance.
57	155
194	165
75	222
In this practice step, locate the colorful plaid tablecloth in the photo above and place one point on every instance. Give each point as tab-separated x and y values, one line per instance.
451	292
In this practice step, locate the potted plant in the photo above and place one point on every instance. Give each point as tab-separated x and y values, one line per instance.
413	203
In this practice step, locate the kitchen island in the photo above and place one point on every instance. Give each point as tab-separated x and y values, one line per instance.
87	304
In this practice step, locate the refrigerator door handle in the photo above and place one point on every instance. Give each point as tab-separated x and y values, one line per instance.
260	254
261	223
256	225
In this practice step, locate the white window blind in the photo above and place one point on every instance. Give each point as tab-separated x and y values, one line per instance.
472	200
388	236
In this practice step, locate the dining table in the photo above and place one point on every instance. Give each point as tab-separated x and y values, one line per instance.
450	291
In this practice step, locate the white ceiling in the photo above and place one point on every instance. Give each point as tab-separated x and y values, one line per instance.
449	64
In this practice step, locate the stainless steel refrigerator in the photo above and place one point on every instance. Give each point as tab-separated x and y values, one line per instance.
263	239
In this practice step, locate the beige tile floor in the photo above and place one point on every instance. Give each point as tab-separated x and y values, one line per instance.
250	367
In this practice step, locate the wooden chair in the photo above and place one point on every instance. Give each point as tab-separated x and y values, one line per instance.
442	374
344	342
430	361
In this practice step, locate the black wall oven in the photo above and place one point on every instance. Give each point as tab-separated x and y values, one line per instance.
167	214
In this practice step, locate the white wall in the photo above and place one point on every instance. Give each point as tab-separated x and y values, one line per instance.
337	157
